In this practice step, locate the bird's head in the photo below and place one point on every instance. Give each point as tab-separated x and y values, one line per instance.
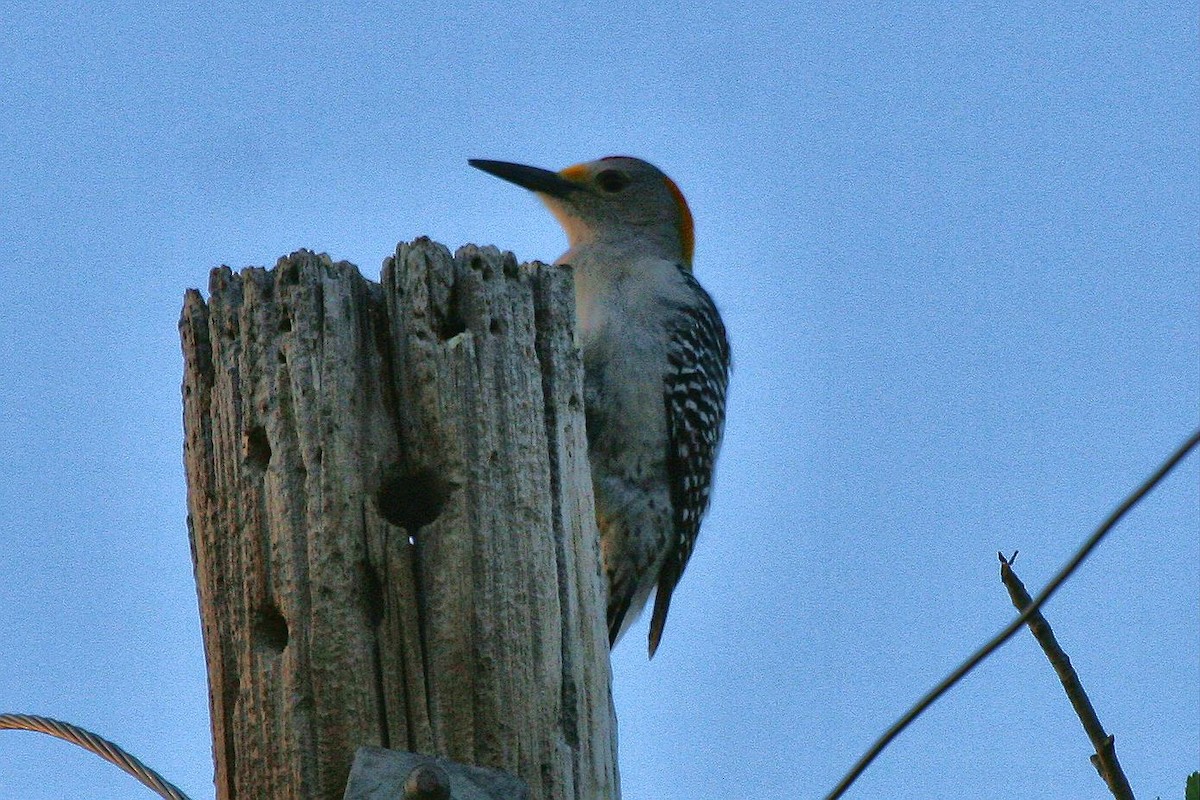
614	201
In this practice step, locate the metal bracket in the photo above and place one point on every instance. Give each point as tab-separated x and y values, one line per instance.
381	774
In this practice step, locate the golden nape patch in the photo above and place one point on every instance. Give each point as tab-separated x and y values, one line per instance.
687	228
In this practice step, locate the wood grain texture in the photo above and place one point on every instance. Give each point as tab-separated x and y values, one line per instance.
391	521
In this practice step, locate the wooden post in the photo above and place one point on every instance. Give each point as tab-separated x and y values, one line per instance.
391	522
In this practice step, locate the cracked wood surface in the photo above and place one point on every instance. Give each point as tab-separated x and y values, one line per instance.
391	522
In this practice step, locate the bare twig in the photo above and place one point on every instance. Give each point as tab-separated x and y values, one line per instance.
1105	759
1004	635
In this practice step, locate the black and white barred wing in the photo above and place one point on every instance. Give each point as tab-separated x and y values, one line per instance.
695	386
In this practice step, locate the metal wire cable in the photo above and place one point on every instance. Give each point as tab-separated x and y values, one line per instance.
1014	626
102	747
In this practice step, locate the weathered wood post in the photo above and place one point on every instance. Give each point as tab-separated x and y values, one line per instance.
391	522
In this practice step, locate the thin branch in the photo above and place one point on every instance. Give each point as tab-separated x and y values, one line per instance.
1105	759
1004	635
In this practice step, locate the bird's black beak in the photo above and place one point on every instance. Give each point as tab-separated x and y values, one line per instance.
534	179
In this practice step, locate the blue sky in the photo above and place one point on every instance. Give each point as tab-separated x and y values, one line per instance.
956	246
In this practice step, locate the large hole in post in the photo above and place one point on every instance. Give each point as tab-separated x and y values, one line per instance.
256	447
270	629
411	498
450	322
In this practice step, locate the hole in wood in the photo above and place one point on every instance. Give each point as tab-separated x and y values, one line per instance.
482	267
452	326
257	448
451	323
497	326
289	274
270	629
411	499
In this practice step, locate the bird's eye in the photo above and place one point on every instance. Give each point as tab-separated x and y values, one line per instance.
611	180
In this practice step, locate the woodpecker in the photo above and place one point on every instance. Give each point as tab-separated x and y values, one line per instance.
656	367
